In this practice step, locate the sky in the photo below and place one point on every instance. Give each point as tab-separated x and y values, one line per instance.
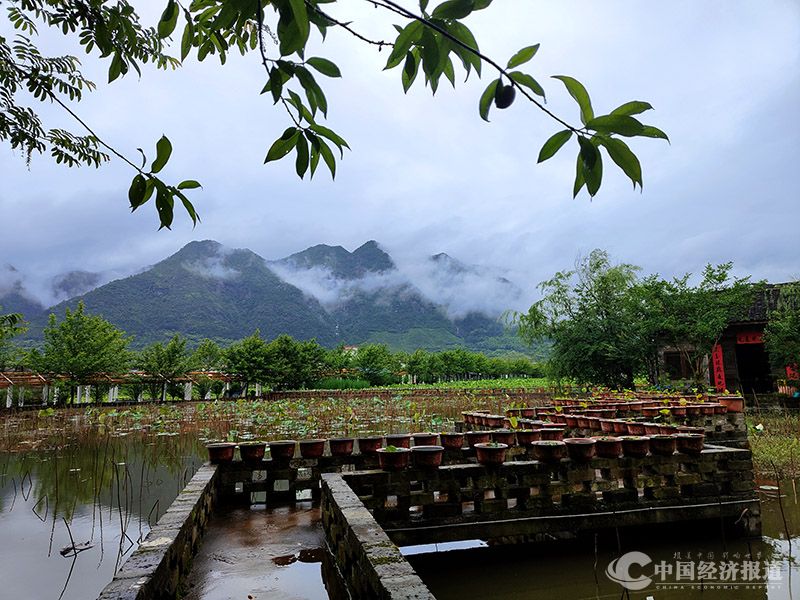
427	175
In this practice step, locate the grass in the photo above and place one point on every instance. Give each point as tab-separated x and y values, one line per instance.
775	442
483	384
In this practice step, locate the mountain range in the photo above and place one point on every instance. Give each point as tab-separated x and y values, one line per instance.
324	292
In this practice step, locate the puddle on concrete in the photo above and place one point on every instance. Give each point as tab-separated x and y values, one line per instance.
260	554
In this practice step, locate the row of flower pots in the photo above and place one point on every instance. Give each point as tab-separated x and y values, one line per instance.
731	403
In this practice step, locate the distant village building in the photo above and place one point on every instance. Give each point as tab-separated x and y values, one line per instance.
740	361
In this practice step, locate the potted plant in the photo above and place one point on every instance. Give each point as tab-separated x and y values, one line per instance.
503	436
652	428
282	449
399	440
689	443
312	448
452	440
341	446
393	458
220	452
552	434
635	428
427	457
368	445
662	445
581	449
424	439
549	450
733	404
490	453
526	436
252	452
608	446
636	446
477	437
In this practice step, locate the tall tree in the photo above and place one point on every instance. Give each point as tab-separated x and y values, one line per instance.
82	347
247	361
11	325
430	40
591	317
695	315
293	365
163	364
376	364
782	333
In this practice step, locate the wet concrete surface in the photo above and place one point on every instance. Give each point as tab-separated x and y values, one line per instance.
259	554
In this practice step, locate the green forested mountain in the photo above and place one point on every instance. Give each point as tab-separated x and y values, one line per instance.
208	290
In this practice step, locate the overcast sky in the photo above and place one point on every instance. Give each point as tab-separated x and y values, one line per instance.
426	175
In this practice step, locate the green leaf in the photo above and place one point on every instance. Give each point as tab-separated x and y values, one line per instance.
449	71
332	136
592	165
188	37
410	34
164	205
430	54
453	9
554	144
189	184
579	179
528	81
624	158
169	18
580	95
137	190
163	152
189	207
301	163
620	124
282	146
115	68
522	56
301	18
327	156
462	33
486	99
632	108
410	69
324	66
653	132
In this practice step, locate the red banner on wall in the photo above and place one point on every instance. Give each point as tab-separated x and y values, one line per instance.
718	368
749	337
792	373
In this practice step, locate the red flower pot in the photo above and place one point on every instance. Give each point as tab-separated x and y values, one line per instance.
398	440
689	443
677	411
635	446
552	434
341	446
282	449
491	453
571	421
395	459
608	446
652	429
549	451
667	429
693	410
581	449
425	439
706	409
526	436
220	452
477	437
606	425
635	428
252	452
662	445
503	437
369	445
452	441
734	404
620	426
312	448
427	457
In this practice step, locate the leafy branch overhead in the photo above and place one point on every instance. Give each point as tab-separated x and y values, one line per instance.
427	43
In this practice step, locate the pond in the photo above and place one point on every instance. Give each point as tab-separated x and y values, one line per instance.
100	478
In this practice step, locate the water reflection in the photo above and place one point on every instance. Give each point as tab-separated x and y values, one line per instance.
99	497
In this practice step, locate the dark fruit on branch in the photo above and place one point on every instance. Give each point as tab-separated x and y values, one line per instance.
504	96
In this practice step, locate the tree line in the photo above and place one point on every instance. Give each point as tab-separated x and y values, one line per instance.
608	324
83	347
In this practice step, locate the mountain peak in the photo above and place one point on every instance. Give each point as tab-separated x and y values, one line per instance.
367	258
